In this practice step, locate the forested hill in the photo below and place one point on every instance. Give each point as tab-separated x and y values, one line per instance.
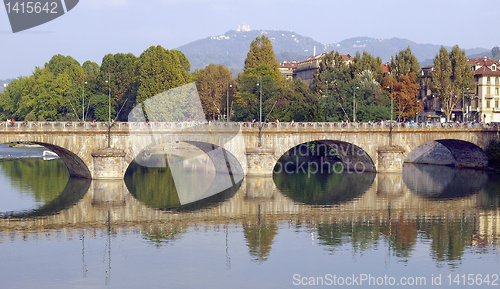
231	48
385	48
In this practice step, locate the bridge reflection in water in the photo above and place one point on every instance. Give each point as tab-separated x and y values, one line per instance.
339	208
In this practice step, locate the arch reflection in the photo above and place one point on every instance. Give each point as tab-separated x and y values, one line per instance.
35	187
73	192
442	182
156	188
323	187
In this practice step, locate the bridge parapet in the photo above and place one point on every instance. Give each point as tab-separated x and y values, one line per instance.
69	125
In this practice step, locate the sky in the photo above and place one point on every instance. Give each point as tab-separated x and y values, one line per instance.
95	28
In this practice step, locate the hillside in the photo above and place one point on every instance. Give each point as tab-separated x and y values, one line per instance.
4	82
232	47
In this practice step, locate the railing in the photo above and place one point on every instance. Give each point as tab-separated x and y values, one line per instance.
237	125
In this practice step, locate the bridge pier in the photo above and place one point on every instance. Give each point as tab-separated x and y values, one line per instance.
260	161
390	159
109	164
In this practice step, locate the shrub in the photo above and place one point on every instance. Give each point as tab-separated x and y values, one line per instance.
493	153
30	117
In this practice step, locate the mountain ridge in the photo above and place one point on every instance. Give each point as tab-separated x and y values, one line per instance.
231	48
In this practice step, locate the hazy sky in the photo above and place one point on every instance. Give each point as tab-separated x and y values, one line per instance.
98	27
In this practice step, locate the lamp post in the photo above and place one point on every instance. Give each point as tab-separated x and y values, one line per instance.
469	113
390	124
416	113
354	103
109	109
227	101
399	106
83	98
463	105
260	112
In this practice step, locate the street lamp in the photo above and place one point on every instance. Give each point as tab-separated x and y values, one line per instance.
354	104
83	98
109	109
399	106
463	105
416	112
260	112
227	101
390	124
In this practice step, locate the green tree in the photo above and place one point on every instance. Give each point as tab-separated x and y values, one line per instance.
251	83
262	53
294	102
332	87
159	70
451	77
91	71
123	82
261	74
213	83
404	63
495	53
341	87
10	99
366	62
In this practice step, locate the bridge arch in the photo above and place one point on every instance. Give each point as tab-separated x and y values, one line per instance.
353	157
450	152
228	172
76	166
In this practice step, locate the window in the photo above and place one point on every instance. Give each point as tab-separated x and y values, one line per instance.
488	90
488	80
493	67
496	80
496	90
487	104
496	103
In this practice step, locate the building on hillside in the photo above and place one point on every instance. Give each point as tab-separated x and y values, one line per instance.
484	102
306	69
287	69
243	28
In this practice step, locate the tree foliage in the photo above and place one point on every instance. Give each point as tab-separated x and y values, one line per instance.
452	76
404	63
215	85
159	70
404	93
495	53
347	89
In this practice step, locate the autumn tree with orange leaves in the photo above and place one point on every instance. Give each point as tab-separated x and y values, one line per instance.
404	83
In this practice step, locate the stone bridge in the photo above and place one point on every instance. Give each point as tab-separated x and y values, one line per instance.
99	151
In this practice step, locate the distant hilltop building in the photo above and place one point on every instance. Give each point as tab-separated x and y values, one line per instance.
243	28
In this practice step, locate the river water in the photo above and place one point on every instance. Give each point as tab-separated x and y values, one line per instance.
428	226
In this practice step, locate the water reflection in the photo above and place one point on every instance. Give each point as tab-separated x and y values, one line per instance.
71	194
28	182
260	238
323	188
156	188
361	219
431	181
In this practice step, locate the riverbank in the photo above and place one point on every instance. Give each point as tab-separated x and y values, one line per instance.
24	145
